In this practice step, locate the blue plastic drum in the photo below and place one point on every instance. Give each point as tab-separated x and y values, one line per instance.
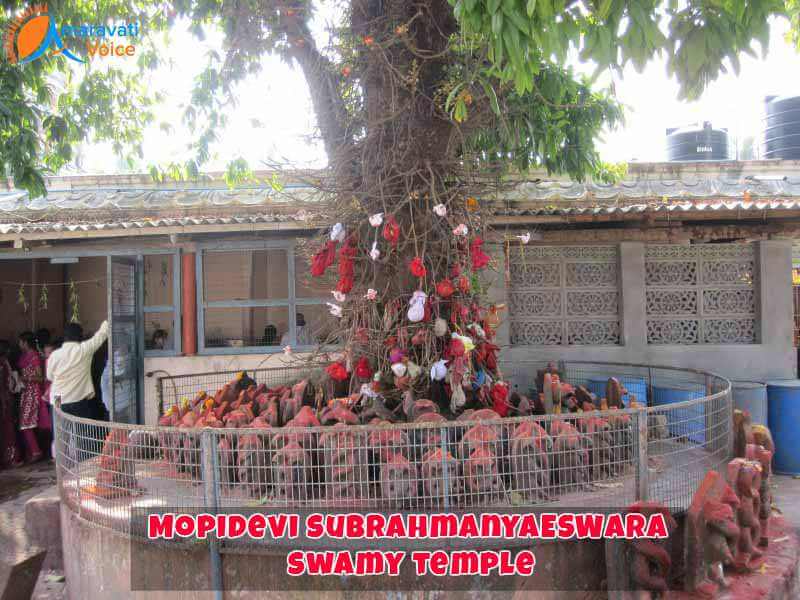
688	422
783	398
635	385
752	397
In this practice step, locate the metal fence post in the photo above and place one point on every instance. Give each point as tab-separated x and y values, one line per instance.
445	472
210	462
160	396
642	472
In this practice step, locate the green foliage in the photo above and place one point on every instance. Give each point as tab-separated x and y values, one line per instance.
552	127
505	82
702	36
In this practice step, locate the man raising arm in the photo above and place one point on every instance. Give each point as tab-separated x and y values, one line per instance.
69	370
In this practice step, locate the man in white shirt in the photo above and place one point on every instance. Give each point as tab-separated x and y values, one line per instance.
70	370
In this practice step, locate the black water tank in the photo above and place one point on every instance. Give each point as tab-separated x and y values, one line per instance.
697	143
781	135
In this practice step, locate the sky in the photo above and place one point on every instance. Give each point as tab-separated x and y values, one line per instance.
273	121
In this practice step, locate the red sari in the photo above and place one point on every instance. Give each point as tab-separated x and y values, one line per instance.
31	371
11	454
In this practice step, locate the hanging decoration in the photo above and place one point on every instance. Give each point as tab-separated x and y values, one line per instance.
416	310
338	233
524	238
22	299
417	267
391	231
346	270
440	210
371	294
363	368
461	230
445	289
374	254
337	371
323	259
75	316
480	260
376	220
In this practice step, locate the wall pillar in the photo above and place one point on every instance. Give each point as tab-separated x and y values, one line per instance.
498	293
188	304
776	319
632	290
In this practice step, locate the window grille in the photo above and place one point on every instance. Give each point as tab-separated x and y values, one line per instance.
564	295
161	293
256	298
701	294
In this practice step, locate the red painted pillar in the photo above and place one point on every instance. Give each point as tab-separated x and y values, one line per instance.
189	304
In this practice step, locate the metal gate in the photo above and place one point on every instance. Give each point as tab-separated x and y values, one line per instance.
124	350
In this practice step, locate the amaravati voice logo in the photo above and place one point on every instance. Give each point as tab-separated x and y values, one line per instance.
33	34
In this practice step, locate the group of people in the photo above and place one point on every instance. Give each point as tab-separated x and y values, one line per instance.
37	372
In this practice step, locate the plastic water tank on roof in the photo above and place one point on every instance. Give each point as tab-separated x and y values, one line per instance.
781	135
697	142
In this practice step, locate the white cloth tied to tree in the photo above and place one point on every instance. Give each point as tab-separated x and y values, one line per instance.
416	310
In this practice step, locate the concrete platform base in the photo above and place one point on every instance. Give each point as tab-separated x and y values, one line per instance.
43	525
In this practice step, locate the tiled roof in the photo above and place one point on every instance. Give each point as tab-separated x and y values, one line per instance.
111	204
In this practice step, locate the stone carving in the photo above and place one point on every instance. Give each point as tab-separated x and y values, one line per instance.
529	450
564	296
589	303
535	275
673	331
729	331
700	295
536	333
117	476
712	535
744	476
593	333
758	453
570	456
589	274
641	568
729	302
345	461
538	304
671	302
754	443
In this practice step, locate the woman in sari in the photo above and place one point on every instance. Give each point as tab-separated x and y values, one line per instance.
11	455
31	370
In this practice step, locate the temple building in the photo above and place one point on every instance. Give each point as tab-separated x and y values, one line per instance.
682	264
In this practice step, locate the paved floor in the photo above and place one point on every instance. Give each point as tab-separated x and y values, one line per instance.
17	486
786	497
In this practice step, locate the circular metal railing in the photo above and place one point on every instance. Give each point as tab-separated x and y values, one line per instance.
110	473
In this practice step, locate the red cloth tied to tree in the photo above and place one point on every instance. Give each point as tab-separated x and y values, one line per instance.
486	355
391	230
455	349
417	267
363	369
479	258
463	284
323	259
499	394
346	270
445	288
337	371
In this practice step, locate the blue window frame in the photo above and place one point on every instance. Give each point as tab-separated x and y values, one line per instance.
250	301
160	295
